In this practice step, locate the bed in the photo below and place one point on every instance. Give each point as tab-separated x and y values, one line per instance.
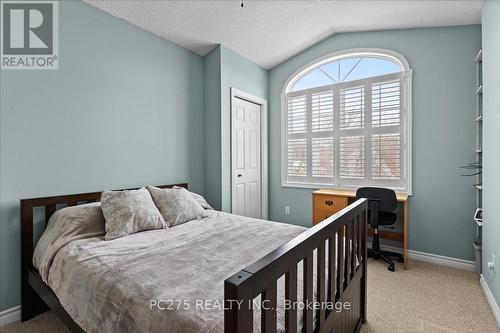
223	269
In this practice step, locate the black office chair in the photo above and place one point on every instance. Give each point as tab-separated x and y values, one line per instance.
381	205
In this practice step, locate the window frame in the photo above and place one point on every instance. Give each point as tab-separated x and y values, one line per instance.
406	126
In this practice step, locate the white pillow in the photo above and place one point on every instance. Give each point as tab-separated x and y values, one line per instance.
176	205
128	212
201	200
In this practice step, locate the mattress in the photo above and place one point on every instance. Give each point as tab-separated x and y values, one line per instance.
169	280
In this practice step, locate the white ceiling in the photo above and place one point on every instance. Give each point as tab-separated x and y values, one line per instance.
270	32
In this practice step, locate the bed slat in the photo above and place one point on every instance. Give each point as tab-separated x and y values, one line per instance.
291	296
354	238
320	275
49	210
307	281
332	247
364	254
348	251
360	238
268	317
340	264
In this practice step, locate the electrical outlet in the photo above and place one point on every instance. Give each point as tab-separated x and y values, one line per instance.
287	210
492	263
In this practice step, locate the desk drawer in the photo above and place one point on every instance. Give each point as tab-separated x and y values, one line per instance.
327	205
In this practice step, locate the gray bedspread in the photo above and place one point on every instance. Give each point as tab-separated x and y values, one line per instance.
112	286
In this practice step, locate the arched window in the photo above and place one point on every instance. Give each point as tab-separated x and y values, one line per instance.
346	122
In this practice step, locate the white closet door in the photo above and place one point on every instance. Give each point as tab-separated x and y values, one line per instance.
246	159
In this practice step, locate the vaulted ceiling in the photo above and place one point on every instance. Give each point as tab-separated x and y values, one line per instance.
270	32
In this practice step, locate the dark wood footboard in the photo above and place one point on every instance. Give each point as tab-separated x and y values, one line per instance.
338	247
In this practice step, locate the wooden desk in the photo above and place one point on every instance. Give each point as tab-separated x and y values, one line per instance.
329	201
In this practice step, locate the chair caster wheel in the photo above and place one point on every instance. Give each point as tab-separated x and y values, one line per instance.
391	268
401	259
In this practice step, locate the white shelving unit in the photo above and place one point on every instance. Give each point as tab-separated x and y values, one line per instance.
478	122
479	125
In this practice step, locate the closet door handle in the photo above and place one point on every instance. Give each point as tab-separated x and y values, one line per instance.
239	175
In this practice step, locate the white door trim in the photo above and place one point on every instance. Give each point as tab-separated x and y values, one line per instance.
236	93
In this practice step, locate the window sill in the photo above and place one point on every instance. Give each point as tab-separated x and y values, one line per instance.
332	187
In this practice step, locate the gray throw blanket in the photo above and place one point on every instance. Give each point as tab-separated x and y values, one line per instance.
113	286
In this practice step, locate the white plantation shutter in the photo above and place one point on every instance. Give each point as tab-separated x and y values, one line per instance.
322	148
297	157
297	113
352	108
386	144
352	157
322	157
352	139
322	111
386	156
297	165
346	134
386	98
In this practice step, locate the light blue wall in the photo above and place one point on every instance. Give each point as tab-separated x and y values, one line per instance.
212	159
225	69
135	109
241	74
442	204
491	141
124	109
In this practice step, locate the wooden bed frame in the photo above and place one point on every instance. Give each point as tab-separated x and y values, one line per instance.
345	280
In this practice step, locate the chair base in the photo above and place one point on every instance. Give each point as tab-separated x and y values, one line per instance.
386	257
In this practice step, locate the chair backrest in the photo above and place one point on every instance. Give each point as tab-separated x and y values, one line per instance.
387	201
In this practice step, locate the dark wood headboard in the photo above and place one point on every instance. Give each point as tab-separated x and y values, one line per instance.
50	204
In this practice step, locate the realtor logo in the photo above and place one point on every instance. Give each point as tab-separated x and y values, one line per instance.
29	36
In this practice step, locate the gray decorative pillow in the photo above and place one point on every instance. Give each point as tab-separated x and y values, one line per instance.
201	200
128	212
176	205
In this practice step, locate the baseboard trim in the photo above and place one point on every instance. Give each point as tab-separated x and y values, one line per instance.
491	300
466	265
10	315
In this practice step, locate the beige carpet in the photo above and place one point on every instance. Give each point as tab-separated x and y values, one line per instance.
426	298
